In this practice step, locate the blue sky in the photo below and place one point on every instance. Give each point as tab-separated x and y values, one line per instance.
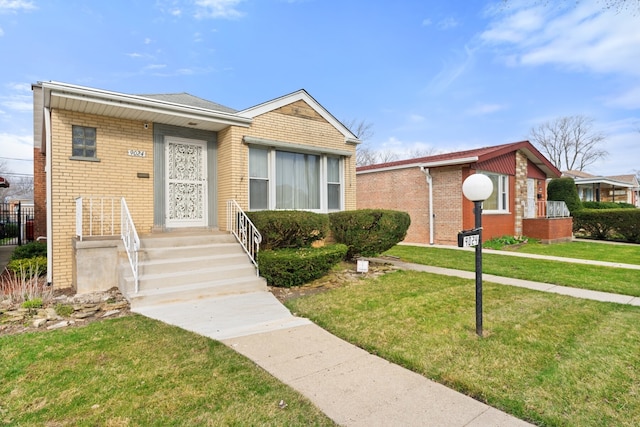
428	75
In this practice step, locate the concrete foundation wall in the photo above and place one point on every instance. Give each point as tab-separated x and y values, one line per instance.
95	264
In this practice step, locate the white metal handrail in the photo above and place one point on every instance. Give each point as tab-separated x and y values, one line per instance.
130	239
101	215
546	209
239	224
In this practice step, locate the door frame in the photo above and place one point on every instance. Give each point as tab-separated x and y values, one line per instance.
203	221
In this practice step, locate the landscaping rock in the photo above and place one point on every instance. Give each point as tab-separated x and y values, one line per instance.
82	309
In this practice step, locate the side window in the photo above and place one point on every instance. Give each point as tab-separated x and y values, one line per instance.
334	184
84	142
258	179
499	199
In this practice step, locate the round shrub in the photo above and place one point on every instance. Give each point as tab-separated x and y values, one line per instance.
369	232
295	267
564	190
289	229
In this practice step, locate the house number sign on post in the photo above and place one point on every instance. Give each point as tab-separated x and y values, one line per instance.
468	238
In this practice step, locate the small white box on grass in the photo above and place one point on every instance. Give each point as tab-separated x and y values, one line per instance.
362	266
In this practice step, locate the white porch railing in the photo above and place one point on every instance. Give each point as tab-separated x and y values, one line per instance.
130	239
96	216
546	209
246	233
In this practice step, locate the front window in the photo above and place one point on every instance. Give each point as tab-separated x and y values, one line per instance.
83	142
499	199
280	179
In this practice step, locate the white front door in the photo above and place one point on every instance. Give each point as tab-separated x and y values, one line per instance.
532	201
186	183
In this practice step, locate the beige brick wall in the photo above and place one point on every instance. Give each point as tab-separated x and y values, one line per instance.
296	123
114	175
407	190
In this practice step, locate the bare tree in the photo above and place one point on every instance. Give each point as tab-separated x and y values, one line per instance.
361	129
421	152
569	142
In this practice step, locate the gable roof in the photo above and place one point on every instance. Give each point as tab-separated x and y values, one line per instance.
477	155
300	95
185	98
161	108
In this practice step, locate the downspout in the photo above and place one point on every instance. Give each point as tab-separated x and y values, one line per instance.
49	192
431	215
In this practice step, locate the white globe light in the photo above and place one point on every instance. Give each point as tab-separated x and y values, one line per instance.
477	187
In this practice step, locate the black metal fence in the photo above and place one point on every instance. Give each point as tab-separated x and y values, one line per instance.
16	224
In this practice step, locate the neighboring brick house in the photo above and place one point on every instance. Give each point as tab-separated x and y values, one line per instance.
91	142
431	188
615	188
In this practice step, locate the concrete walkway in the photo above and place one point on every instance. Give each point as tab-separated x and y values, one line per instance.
5	256
351	386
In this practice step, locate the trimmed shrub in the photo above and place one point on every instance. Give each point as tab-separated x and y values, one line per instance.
564	190
602	224
289	229
607	205
369	232
30	250
35	265
295	267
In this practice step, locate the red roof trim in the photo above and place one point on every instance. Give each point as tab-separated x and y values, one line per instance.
484	154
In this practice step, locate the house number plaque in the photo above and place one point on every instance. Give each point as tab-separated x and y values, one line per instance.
137	153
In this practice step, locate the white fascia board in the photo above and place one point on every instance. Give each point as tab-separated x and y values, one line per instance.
300	95
138	103
614	183
250	140
441	163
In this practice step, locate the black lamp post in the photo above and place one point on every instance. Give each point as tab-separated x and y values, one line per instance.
478	188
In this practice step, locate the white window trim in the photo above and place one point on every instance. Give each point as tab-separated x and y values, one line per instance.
271	162
503	188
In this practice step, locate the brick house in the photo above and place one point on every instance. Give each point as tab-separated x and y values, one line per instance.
615	188
176	160
431	188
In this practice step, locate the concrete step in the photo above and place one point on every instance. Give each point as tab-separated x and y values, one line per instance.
177	239
187	264
208	249
181	277
196	291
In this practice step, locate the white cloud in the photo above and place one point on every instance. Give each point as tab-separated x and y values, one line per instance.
426	22
20	146
451	71
16	5
629	99
147	40
1	32
581	37
225	9
447	24
483	109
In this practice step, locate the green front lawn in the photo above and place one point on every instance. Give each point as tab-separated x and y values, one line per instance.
626	254
597	278
139	372
549	359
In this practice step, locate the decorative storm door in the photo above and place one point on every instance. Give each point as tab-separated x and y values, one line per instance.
186	183
532	202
